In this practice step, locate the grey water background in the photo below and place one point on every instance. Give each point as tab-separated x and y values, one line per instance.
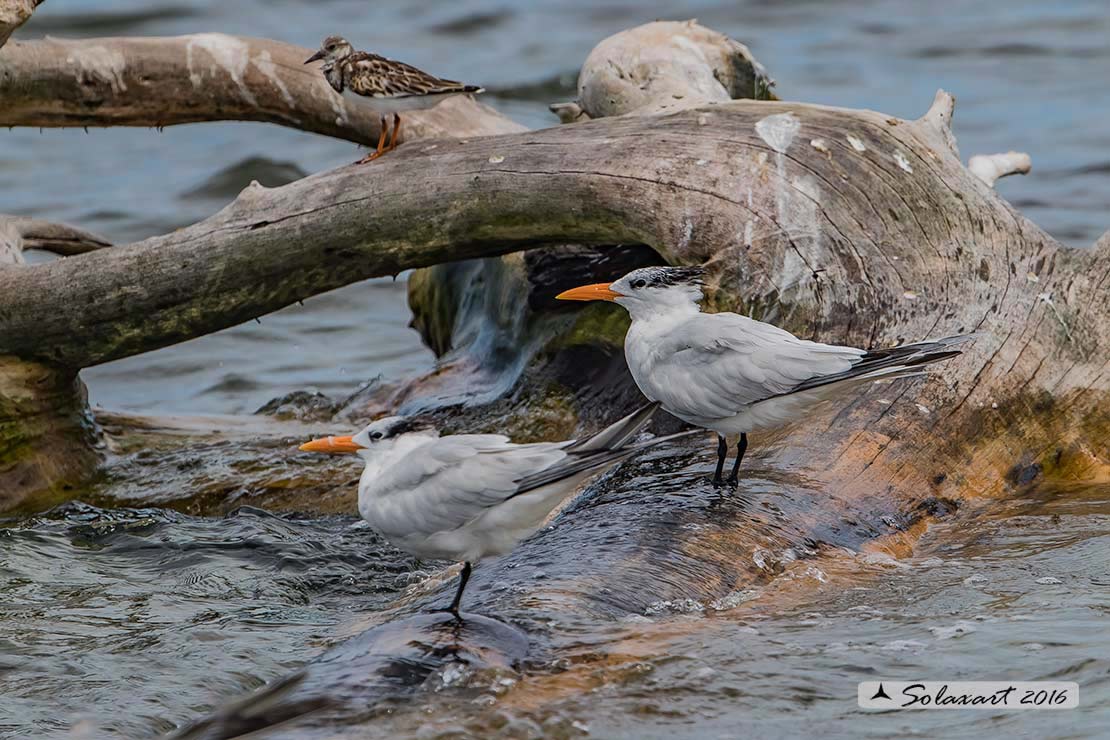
124	622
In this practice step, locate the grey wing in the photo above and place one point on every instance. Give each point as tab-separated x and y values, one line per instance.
448	483
608	445
714	365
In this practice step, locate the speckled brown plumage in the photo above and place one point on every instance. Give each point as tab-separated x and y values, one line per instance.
375	76
384	84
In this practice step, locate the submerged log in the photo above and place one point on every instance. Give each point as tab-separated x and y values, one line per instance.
846	226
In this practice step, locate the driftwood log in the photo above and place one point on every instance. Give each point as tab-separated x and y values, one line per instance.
18	233
842	225
165	81
13	14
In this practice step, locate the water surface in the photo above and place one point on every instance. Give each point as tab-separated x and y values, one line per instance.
124	622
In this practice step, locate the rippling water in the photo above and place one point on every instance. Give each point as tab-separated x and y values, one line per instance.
125	622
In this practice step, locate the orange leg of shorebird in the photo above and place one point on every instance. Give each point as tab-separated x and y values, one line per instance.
383	130
396	138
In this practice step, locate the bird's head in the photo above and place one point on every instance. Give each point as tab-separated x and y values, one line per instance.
647	291
333	49
378	437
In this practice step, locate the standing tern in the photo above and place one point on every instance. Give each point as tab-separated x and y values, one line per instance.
730	373
467	496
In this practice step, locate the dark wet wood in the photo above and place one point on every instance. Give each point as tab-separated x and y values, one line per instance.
48	440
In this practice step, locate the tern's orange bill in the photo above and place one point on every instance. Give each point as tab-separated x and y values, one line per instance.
595	292
331	446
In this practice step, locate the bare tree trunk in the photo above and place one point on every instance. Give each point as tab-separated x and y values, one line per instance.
203	77
13	14
862	237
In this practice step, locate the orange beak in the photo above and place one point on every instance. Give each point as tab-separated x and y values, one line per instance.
331	446
595	292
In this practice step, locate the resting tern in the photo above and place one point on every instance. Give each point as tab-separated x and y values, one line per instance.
463	497
730	373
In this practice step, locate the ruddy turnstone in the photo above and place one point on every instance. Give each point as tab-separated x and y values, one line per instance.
385	85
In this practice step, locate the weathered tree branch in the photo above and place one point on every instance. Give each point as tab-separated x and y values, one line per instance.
202	77
13	14
18	233
599	182
990	167
47	439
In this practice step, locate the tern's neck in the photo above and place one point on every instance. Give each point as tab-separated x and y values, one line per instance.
382	461
671	309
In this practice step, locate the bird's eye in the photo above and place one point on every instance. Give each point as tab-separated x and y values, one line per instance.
376	435
639	283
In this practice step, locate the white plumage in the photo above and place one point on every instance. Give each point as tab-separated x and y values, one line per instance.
455	497
730	373
468	496
727	372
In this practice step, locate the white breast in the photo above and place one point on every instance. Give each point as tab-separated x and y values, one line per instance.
396	105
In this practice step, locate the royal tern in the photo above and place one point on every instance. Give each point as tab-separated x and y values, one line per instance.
730	373
463	497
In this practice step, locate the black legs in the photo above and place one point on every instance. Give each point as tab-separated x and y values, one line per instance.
741	448
464	576
722	453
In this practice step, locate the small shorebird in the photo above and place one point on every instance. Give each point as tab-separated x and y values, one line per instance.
733	374
467	496
384	85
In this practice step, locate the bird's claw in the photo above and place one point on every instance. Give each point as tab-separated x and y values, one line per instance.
449	610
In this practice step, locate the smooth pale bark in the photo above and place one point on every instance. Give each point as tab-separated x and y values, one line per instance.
663	67
18	233
13	14
990	167
163	81
810	232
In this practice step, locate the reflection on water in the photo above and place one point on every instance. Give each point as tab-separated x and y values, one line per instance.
126	622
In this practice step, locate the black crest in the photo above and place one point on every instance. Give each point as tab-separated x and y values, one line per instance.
404	425
662	277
